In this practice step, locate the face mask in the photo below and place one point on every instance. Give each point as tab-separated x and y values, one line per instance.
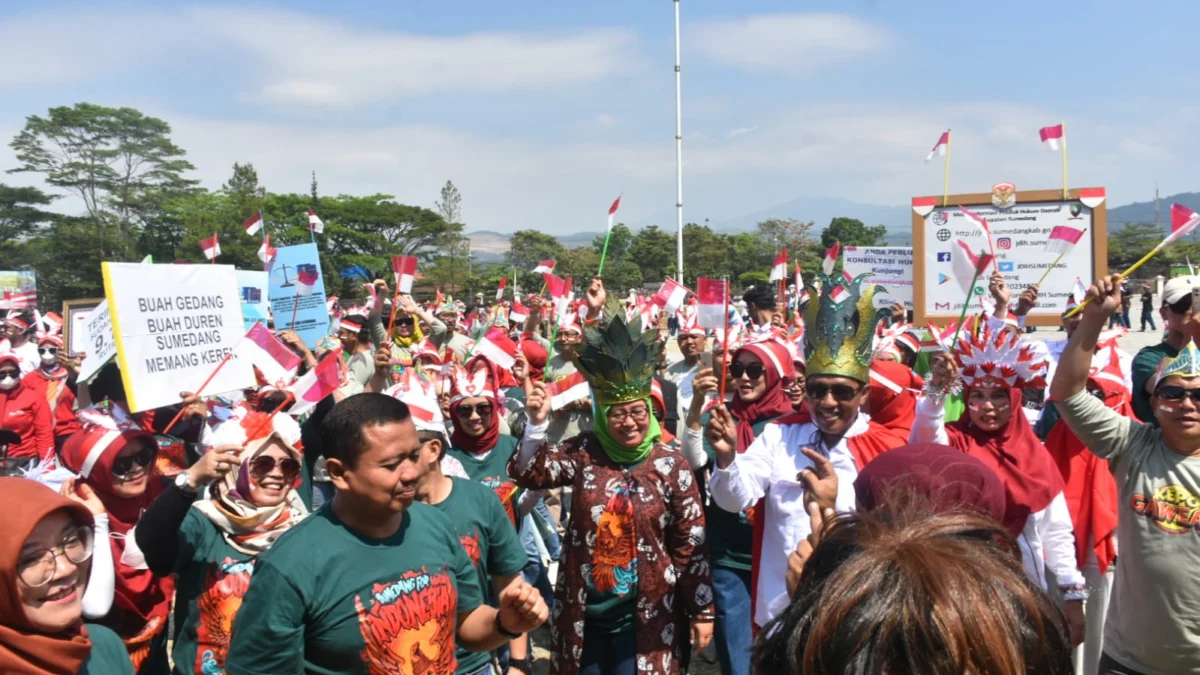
49	358
8	383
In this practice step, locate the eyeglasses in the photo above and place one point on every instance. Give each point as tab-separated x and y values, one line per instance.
752	371
1174	392
9	373
265	464
841	392
48	350
620	417
404	321
122	466
37	568
464	411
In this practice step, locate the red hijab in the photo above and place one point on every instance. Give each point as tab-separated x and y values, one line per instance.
892	396
1090	490
24	650
777	368
464	388
1030	477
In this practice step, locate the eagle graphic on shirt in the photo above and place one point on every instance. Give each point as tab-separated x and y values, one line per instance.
225	586
614	558
506	490
408	625
470	544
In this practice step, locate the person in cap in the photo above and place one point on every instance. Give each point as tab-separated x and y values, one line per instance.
1176	312
1152	624
52	378
25	412
209	526
18	327
634	584
46	549
693	342
818	451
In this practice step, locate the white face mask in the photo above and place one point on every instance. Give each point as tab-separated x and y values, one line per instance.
49	358
8	383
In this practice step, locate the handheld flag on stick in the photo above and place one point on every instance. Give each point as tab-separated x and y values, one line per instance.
568	390
612	217
967	266
831	256
779	270
254	223
984	227
266	252
275	360
211	247
710	310
1055	138
315	224
498	348
405	269
670	296
317	383
544	267
942	147
1062	240
724	339
500	288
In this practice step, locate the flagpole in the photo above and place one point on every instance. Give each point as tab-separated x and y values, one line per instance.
966	303
295	308
946	173
1048	269
205	384
1131	270
1064	159
678	155
604	252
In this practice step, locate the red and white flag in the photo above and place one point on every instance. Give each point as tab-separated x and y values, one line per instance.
317	383
519	313
1062	239
801	293
1183	221
306	279
1079	291
498	348
779	270
967	265
612	212
211	247
544	267
254	223
568	390
1053	137
939	148
19	300
839	294
712	295
831	257
670	296
314	222
405	269
500	288
266	252
979	221
277	363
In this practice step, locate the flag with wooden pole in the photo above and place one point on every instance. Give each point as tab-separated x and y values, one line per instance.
1062	240
942	147
966	266
612	218
1055	138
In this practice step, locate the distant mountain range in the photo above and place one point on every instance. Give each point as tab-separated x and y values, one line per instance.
492	246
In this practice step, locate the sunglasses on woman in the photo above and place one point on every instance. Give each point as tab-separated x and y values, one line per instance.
48	350
841	392
15	374
1174	392
37	567
265	464
404	321
752	371
123	466
464	411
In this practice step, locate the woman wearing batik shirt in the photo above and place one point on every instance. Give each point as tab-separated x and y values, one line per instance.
634	585
211	544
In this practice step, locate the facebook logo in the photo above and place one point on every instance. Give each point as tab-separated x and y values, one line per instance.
944	256
1006	266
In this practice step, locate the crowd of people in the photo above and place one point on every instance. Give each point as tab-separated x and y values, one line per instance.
816	487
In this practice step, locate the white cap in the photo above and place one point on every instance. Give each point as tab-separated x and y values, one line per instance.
1175	289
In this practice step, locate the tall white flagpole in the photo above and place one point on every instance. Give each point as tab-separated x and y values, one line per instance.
678	155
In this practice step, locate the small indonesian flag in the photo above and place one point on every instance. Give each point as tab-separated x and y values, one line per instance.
405	269
19	300
847	277
306	279
1079	290
498	348
211	247
519	313
712	295
1053	137
966	265
568	390
612	212
670	296
556	286
979	221
839	294
314	222
1063	239
500	288
266	252
1183	221
544	267
317	383
799	280
254	223
939	148
277	363
779	271
831	256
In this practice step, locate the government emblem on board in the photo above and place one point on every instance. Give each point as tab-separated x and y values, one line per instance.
1004	195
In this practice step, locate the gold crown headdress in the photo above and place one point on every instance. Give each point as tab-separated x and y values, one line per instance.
618	359
841	327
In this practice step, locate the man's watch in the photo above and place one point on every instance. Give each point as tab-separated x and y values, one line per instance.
504	631
184	482
524	665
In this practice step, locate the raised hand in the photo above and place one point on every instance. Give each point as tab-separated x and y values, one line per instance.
722	436
82	493
537	402
1104	296
820	480
999	289
596	296
943	372
214	464
1027	300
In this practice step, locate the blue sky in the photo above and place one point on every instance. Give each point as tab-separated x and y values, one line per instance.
541	112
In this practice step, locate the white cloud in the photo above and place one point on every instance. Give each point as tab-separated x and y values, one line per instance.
605	120
740	131
793	44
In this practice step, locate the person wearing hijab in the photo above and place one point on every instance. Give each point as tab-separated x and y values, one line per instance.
51	378
45	551
995	367
25	412
406	330
208	531
892	399
634	584
116	459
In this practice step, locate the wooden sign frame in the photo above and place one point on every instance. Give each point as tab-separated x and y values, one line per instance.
1098	233
69	309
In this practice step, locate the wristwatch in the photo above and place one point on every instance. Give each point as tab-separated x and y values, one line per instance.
504	631
184	482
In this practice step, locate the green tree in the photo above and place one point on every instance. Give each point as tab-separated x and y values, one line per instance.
749	253
653	251
852	232
704	253
21	221
1127	245
619	242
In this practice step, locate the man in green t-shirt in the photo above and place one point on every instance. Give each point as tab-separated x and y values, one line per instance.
372	583
1176	313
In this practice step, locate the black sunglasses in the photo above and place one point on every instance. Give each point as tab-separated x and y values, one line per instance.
1174	392
265	464
753	371
123	466
47	350
10	373
464	411
841	392
404	321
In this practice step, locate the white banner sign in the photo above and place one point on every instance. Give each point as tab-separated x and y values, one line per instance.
891	267
1019	234
98	344
174	325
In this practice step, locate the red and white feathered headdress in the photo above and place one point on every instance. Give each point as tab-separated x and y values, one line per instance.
476	378
240	425
999	360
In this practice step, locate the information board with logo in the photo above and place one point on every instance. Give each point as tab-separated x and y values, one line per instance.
1020	223
890	266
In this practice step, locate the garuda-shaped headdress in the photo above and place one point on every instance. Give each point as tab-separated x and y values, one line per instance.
618	359
840	327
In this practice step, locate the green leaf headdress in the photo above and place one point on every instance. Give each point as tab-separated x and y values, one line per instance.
617	358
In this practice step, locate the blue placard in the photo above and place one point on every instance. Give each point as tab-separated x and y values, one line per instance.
252	288
311	317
